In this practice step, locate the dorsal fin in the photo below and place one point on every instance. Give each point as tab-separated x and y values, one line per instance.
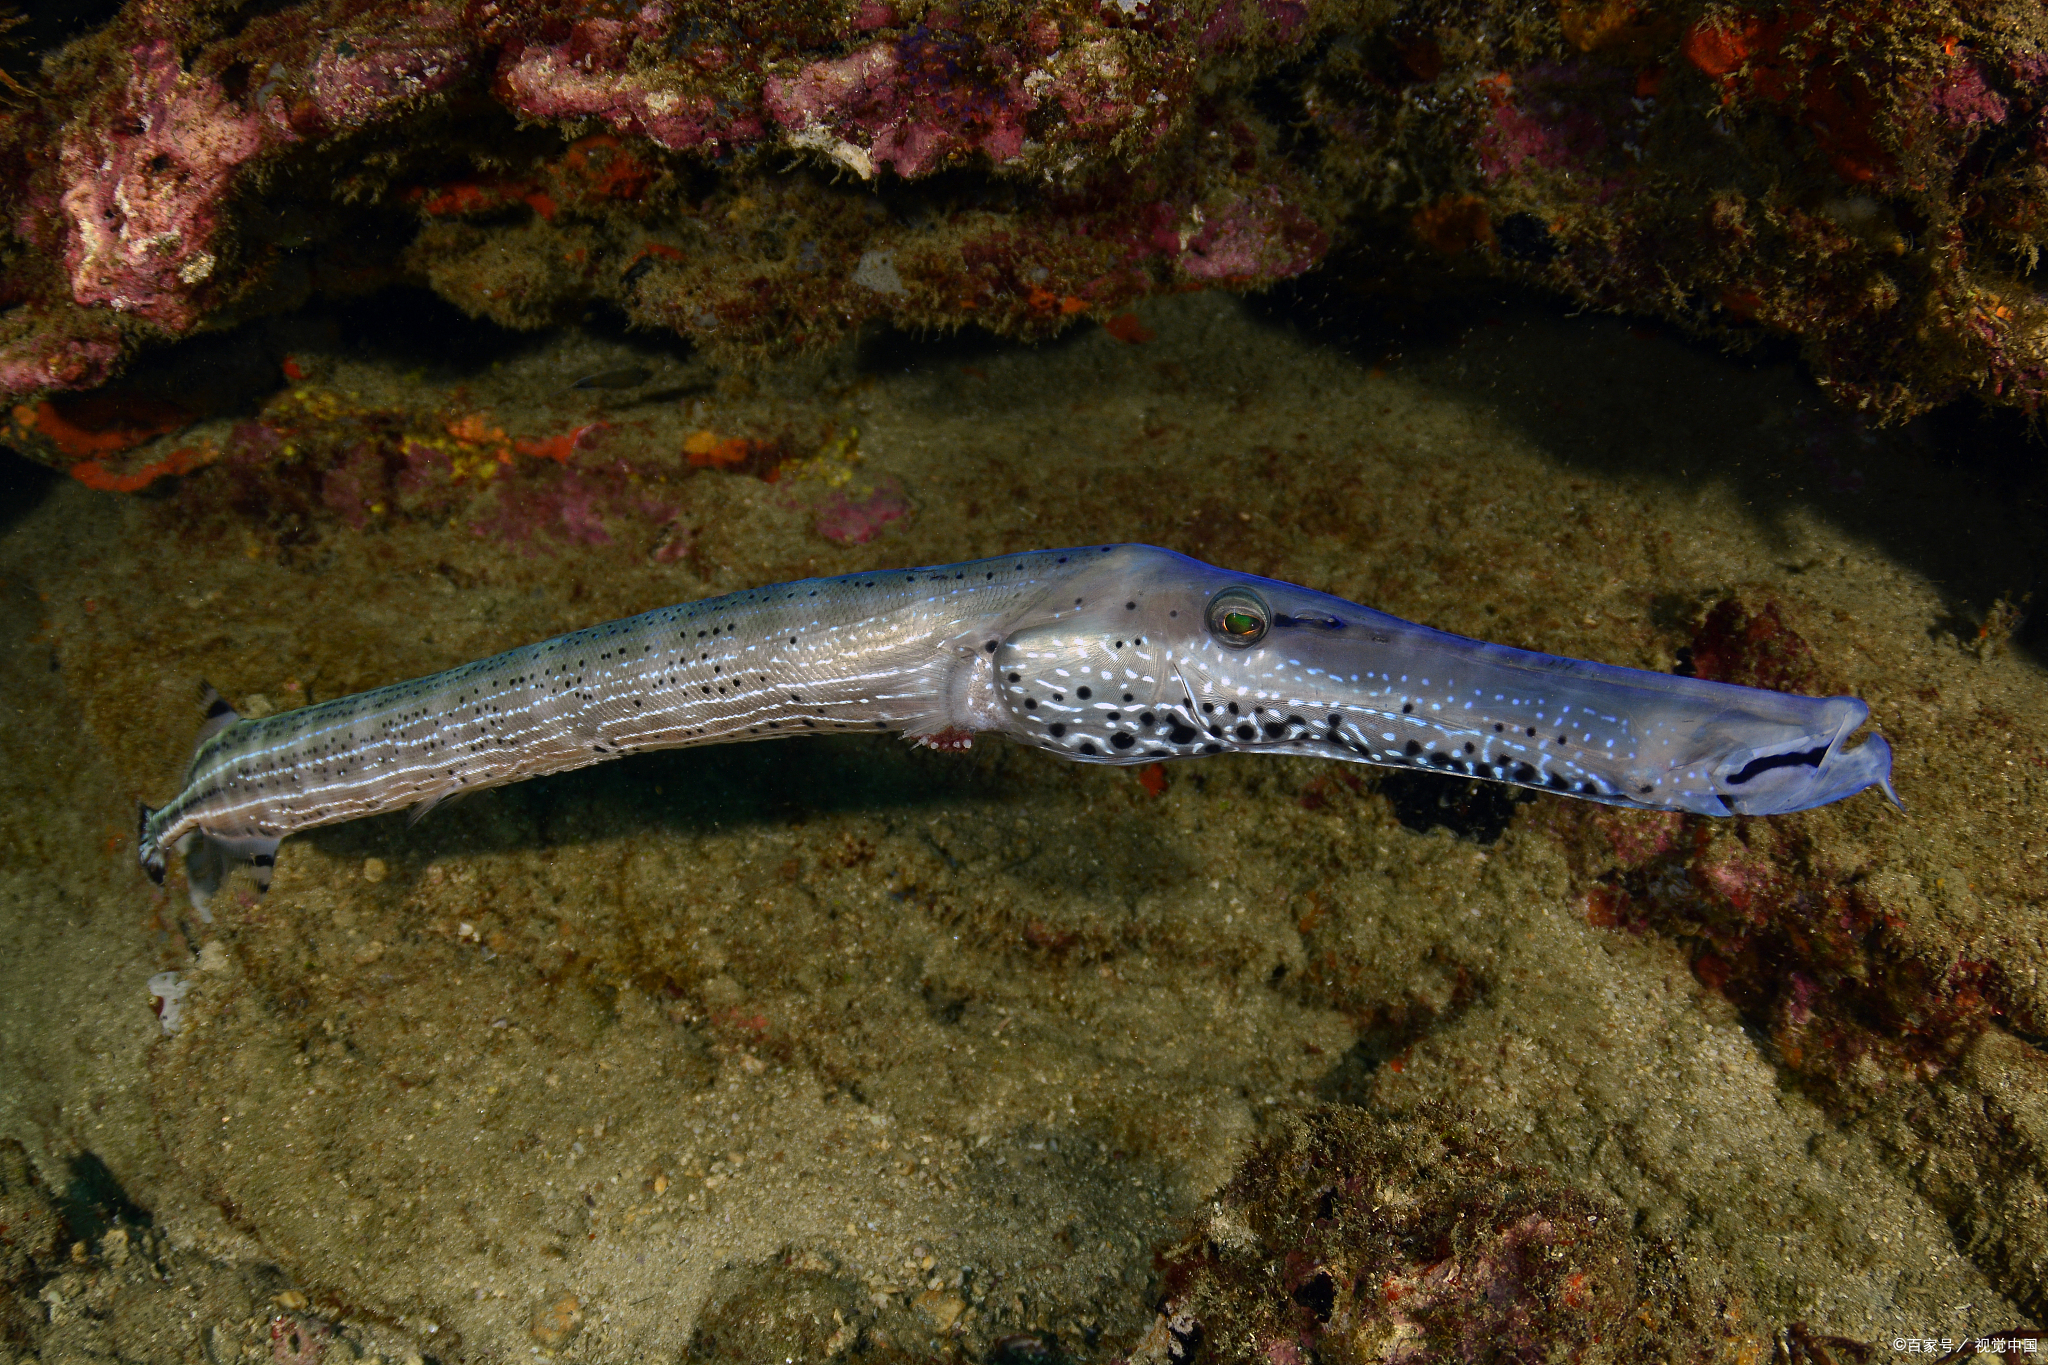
219	715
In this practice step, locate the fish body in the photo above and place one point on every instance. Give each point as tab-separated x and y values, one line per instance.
626	377
1105	654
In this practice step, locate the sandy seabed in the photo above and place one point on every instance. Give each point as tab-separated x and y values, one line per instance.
841	1049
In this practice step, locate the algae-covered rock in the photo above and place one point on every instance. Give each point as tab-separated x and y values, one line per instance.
1865	180
1348	1237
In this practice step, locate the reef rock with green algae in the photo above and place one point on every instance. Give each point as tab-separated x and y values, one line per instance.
1866	180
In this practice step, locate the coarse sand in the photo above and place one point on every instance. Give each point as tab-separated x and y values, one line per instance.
839	1047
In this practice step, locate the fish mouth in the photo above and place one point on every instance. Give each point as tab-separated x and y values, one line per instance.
1791	758
1810	769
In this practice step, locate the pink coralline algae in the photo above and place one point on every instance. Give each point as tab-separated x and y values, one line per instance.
56	362
173	177
1639	837
906	106
1253	239
144	204
1965	98
351	488
850	522
1553	118
1731	167
573	507
1742	881
590	75
355	82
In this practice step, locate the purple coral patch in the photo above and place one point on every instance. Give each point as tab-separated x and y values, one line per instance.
910	105
1264	237
564	508
350	489
51	362
1964	99
1515	138
847	522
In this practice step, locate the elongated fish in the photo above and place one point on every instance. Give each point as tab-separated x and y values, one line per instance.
1107	654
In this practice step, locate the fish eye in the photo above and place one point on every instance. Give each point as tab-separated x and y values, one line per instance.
1239	617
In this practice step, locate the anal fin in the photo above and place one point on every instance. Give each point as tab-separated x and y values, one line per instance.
205	868
209	859
447	795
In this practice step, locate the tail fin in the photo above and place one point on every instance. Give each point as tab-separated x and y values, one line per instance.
207	856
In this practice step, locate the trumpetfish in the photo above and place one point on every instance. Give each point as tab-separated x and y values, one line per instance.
1105	654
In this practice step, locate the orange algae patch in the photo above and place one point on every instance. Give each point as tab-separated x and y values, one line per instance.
606	169
709	450
661	250
1125	327
1454	224
1835	103
1592	24
479	446
84	429
471	427
1152	777
95	474
469	196
560	448
1720	51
